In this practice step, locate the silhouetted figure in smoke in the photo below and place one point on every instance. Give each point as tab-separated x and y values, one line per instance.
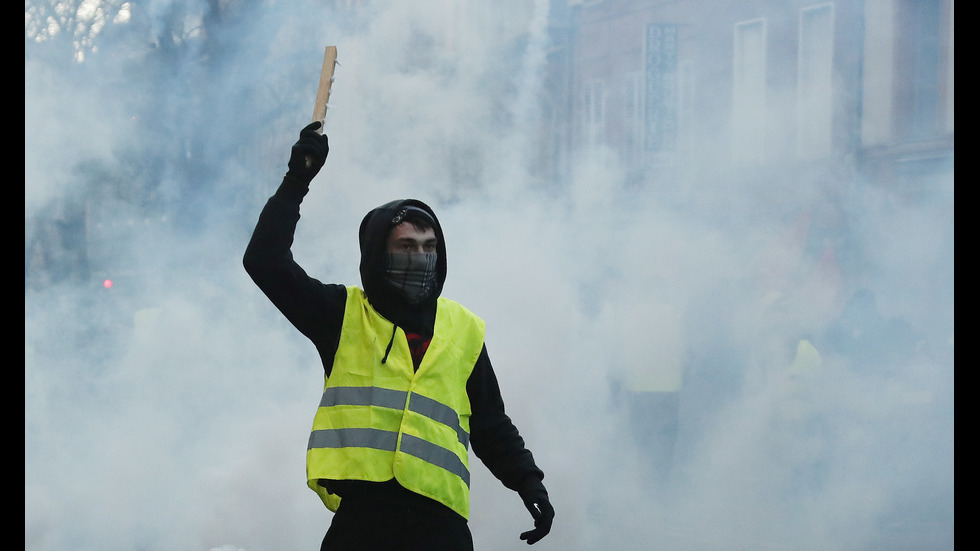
408	382
872	343
799	427
654	423
56	247
650	356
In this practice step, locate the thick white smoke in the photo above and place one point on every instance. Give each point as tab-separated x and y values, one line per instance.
172	411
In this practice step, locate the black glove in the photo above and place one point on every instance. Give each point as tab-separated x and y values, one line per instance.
536	500
308	154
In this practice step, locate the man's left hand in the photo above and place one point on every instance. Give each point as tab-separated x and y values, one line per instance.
535	498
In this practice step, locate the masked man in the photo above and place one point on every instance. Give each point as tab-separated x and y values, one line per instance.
408	383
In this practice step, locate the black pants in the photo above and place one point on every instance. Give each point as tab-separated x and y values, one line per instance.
374	525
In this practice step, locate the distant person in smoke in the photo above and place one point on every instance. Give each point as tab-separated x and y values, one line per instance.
873	343
651	355
408	382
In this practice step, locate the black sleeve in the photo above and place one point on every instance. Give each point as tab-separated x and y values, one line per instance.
314	308
496	441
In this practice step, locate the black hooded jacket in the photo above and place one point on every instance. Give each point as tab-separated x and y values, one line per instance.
317	310
372	237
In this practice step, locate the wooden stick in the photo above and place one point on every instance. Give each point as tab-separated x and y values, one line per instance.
323	91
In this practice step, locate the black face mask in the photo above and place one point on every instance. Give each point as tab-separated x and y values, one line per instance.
413	274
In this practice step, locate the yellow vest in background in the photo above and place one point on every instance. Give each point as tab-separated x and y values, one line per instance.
377	421
651	347
807	359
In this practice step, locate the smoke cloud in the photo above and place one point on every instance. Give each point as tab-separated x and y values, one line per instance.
172	409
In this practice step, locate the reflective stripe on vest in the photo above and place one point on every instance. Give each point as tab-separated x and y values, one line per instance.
380	421
395	399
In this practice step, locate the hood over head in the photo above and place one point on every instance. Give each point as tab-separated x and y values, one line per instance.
373	235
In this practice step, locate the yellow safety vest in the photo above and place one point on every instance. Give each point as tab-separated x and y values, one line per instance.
377	421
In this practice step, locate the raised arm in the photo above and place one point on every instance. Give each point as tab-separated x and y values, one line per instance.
313	308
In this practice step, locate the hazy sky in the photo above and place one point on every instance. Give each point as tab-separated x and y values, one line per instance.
184	425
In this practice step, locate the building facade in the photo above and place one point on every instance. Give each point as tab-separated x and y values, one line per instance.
702	90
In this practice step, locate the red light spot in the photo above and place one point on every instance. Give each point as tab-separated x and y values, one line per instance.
107	283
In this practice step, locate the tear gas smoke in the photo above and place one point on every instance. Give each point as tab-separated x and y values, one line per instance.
171	410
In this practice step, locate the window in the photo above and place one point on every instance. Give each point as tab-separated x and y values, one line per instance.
949	70
633	117
661	87
594	115
919	57
907	83
749	92
878	72
685	105
815	83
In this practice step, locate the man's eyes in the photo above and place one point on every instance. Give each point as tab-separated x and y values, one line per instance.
411	246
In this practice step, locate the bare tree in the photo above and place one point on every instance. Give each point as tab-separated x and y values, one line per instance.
73	24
